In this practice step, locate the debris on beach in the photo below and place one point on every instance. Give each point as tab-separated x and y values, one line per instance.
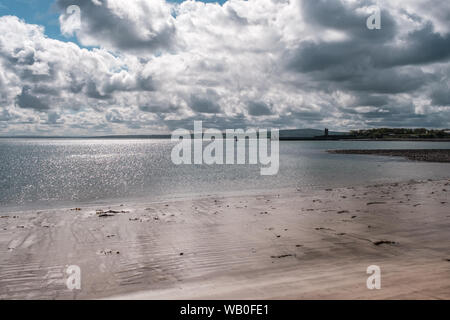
109	213
321	228
282	256
376	202
106	252
380	242
75	209
104	215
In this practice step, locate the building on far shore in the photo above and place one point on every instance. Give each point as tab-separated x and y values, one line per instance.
326	132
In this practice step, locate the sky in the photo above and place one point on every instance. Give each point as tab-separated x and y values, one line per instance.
152	66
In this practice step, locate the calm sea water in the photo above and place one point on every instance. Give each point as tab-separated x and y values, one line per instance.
61	172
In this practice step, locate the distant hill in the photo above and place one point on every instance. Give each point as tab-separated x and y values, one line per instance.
307	133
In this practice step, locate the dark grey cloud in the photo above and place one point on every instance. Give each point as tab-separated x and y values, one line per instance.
257	108
28	101
420	47
337	15
159	108
387	80
305	115
93	92
146	83
46	90
441	96
22	57
432	120
205	103
311	56
371	100
54	118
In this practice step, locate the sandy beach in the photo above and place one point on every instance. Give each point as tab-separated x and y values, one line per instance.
289	244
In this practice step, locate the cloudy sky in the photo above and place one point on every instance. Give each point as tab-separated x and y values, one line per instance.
151	66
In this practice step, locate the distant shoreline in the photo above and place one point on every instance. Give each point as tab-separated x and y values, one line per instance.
168	137
429	155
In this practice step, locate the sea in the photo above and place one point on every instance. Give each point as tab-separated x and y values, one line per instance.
52	173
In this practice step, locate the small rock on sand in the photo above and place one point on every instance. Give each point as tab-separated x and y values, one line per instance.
105	215
380	242
282	256
108	252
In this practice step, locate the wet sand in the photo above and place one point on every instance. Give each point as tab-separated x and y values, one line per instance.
290	244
